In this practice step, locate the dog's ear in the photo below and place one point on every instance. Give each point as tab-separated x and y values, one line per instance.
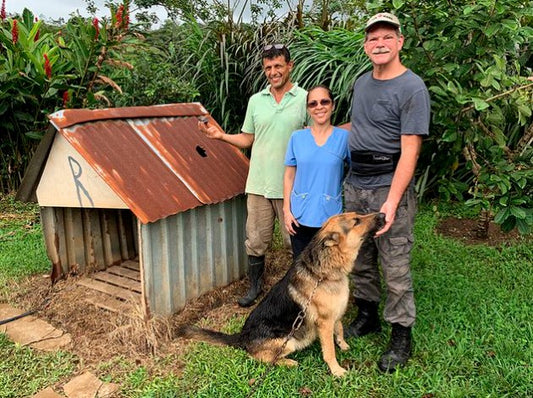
332	239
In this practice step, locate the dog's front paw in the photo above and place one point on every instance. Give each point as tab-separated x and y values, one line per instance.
338	371
343	345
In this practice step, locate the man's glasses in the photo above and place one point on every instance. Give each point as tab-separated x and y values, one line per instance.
323	102
271	46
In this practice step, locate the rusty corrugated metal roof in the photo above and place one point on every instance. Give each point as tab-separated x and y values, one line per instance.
155	158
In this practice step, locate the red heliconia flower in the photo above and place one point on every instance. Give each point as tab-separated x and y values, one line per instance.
96	28
15	32
120	12
47	66
3	10
36	19
37	35
126	18
65	99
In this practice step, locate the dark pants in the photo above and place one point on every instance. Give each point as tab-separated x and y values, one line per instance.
301	239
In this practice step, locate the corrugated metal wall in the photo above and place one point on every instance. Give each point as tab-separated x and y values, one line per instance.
190	253
86	240
181	256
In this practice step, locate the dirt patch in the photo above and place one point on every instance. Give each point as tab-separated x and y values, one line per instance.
464	230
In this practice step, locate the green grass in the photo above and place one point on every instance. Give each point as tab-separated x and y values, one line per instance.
23	372
473	336
22	251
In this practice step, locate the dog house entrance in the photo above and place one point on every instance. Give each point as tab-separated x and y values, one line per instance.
116	289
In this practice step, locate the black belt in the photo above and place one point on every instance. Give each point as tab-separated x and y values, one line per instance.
368	163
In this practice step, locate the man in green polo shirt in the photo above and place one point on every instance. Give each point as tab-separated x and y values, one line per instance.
271	117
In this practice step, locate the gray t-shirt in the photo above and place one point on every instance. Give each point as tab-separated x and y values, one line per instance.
382	111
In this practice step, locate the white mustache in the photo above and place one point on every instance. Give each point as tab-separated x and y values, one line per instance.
380	51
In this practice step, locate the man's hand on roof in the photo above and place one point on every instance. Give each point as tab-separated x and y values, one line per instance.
210	131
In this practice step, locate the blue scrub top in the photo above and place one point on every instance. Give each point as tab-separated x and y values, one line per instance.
317	190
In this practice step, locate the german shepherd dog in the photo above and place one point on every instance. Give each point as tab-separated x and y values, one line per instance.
317	283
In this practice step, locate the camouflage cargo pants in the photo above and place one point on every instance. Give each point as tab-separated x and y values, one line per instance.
393	250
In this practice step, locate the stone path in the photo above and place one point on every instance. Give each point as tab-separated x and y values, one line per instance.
88	385
35	333
32	332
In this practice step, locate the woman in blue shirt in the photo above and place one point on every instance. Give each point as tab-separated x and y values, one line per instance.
314	169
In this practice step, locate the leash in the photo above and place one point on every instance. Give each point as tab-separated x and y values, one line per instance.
45	303
295	326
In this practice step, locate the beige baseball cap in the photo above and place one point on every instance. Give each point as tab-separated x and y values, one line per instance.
385	17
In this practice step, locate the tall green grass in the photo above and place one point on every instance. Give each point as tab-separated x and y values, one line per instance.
335	58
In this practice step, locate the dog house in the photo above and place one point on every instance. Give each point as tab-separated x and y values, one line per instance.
141	186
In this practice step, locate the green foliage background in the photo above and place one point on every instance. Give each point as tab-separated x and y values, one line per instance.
475	58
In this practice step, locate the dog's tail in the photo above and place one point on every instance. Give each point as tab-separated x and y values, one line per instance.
210	336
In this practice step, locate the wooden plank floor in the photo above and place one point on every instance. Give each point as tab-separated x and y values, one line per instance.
118	281
118	287
125	272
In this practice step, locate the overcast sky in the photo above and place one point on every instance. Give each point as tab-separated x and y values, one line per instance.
55	9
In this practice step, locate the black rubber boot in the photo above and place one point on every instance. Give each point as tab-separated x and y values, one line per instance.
366	321
399	350
256	268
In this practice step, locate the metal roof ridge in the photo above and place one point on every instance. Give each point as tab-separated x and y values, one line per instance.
69	117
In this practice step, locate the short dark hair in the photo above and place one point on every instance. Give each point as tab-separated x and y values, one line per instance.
330	94
276	50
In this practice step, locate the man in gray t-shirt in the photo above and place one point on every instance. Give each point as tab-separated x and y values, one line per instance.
390	115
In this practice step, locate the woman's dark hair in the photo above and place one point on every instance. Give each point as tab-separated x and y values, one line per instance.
330	94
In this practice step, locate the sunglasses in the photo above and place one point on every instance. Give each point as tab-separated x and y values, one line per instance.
323	102
271	46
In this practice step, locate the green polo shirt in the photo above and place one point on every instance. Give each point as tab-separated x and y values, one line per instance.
272	125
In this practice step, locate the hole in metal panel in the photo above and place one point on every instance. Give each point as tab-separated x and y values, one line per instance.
201	151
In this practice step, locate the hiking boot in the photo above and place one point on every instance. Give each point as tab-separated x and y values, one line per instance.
399	350
256	269
367	320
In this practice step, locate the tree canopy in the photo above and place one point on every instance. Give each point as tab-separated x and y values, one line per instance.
475	58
